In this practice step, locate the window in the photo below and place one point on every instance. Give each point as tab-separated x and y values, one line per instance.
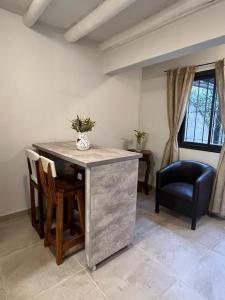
202	128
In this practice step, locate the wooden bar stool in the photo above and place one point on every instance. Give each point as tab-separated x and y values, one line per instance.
37	218
59	191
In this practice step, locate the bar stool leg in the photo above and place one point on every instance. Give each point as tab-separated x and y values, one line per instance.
41	213
59	229
80	204
70	214
32	200
48	224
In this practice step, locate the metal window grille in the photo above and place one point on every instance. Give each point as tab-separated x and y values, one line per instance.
202	125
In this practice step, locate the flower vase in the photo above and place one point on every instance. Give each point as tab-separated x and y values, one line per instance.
82	142
139	146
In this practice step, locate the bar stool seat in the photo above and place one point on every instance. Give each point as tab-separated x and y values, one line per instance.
59	192
64	186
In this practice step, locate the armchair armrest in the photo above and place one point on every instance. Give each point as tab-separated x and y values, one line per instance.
202	190
168	174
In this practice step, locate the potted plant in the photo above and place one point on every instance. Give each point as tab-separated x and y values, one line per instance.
140	136
82	125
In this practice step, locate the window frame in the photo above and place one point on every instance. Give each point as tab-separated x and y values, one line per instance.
200	146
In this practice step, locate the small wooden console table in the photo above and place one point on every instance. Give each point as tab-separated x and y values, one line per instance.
146	157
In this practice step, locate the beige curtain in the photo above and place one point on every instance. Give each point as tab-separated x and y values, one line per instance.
218	195
179	83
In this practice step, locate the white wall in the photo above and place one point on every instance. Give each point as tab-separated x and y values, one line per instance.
153	106
44	82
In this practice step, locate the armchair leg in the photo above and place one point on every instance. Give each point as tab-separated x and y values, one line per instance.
193	223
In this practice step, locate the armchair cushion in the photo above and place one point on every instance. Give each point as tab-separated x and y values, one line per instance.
180	190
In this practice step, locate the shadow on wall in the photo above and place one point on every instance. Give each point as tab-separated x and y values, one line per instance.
127	143
79	63
14	183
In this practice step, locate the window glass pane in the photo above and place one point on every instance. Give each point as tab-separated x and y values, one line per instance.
198	112
203	122
217	134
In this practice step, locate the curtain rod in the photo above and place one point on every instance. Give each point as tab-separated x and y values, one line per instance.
201	65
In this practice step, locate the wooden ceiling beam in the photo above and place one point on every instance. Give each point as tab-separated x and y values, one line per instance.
34	12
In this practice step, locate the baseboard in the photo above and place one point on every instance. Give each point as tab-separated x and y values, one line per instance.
14	215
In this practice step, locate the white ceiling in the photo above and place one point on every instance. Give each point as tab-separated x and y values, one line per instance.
15	6
136	12
65	13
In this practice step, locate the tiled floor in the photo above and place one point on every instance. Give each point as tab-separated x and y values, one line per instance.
167	261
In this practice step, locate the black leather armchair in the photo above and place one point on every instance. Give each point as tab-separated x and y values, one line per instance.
185	186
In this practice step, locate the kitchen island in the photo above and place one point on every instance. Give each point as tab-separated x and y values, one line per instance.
111	177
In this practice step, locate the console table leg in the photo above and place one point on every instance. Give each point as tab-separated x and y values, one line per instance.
147	173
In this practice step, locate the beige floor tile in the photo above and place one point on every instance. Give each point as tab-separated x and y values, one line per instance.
17	234
146	202
27	272
3	294
165	250
79	286
144	224
220	247
209	278
208	232
81	257
179	291
146	207
132	275
174	253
